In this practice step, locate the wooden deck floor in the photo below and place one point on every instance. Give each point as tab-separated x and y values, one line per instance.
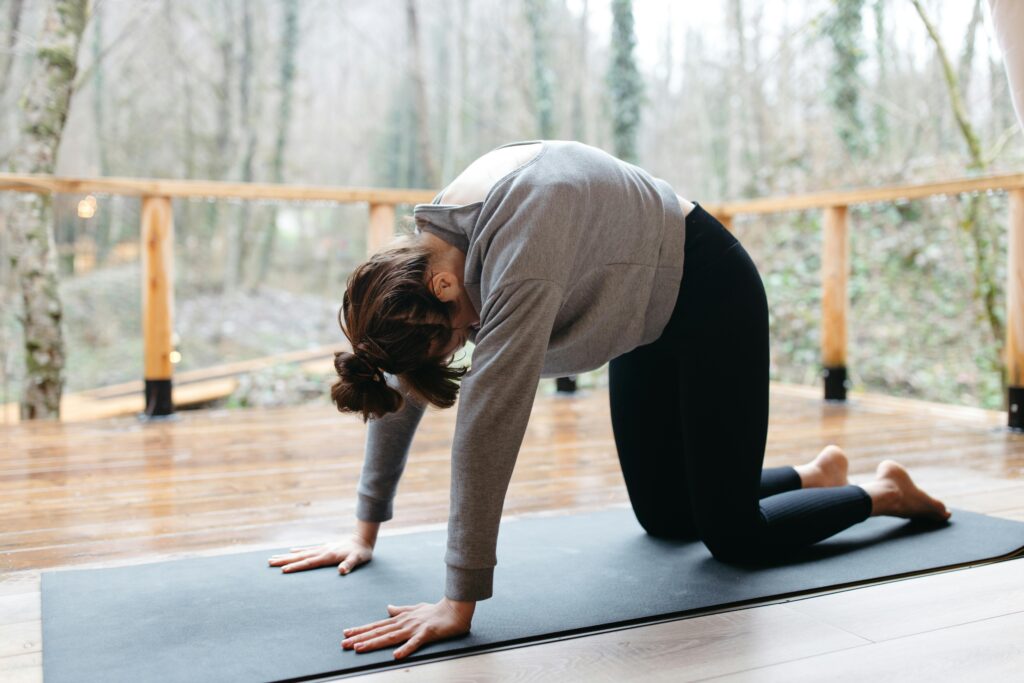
118	492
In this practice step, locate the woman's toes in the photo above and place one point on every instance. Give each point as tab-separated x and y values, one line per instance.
915	503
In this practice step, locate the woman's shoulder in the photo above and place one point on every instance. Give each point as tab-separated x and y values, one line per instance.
477	180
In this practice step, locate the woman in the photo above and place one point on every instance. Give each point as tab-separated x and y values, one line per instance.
554	258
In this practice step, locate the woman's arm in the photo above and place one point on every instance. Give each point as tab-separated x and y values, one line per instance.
494	407
367	531
495	401
1008	20
388	439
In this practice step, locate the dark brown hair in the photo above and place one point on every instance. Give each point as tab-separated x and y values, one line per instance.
393	321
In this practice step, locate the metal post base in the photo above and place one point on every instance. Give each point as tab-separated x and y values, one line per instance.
158	398
565	385
835	383
1015	408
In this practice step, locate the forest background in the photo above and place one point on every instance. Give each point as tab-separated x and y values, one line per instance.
724	100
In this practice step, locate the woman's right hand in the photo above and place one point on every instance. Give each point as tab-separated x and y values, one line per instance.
347	554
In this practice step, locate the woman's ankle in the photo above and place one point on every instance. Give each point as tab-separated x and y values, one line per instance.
885	496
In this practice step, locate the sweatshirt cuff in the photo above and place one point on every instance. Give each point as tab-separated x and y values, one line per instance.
372	510
469	584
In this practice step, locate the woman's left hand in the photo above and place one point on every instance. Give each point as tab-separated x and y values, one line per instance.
414	625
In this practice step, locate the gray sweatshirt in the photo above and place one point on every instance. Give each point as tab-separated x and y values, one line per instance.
572	259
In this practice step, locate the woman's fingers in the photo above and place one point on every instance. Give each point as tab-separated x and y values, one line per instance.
398	609
354	641
276	560
398	635
356	630
411	645
307	563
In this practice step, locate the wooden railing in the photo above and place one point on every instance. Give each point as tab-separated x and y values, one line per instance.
157	254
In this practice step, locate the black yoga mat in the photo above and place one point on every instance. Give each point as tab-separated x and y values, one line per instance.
233	618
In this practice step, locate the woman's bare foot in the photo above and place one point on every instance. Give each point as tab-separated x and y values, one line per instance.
828	469
894	493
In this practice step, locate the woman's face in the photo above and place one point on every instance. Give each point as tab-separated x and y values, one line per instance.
444	280
464	319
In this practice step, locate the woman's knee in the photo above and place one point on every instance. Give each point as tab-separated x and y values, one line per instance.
677	526
736	545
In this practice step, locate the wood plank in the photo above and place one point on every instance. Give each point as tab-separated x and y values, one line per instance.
157	287
1014	349
79	408
684	650
382	227
869	195
902	608
219	190
835	303
45	184
987	650
20	638
115	492
26	668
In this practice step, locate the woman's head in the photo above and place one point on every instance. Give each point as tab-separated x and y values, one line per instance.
401	313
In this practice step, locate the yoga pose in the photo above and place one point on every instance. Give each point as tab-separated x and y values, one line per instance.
554	258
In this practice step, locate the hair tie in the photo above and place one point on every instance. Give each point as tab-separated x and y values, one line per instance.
371	371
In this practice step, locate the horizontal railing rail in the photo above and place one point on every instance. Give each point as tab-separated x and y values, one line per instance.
157	253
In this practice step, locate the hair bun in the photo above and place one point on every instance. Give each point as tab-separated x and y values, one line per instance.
356	366
362	387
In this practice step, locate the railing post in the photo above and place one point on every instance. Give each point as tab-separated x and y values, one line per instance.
1014	353
157	303
834	301
382	226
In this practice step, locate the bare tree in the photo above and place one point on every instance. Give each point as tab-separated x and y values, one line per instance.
238	235
985	283
7	51
44	103
286	87
422	114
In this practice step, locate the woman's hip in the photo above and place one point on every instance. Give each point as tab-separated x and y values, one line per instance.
720	285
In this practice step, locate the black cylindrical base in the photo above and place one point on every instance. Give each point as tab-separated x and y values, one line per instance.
835	383
158	397
565	385
1015	408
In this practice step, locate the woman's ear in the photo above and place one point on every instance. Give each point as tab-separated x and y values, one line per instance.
444	286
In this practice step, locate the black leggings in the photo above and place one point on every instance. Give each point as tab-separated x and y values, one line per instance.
690	418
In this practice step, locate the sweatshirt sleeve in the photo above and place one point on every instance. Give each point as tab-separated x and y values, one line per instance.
1008	20
387	448
495	401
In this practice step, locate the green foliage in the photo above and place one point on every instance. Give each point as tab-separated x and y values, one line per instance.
910	330
844	30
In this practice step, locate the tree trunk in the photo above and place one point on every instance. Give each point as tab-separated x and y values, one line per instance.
543	102
103	216
985	285
238	236
967	55
881	119
579	116
44	103
218	161
428	168
7	51
185	220
624	82
456	90
289	42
